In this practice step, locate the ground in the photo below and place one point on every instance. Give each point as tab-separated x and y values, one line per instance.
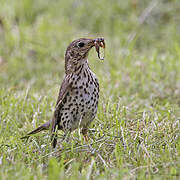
136	133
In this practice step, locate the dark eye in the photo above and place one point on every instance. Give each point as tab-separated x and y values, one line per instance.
81	44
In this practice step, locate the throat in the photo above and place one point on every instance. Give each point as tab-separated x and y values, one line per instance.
80	68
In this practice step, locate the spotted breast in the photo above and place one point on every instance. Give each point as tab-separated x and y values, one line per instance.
79	106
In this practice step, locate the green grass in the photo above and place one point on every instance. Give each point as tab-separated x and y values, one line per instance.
136	133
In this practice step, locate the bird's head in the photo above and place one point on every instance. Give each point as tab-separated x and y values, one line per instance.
77	52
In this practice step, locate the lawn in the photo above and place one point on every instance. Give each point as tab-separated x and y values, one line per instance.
136	133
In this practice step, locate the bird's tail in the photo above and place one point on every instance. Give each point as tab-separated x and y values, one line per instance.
44	126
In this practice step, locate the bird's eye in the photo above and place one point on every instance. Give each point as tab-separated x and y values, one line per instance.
81	44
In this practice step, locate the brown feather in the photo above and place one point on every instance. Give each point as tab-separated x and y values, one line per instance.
66	84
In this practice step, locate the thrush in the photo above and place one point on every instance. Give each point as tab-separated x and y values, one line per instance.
77	102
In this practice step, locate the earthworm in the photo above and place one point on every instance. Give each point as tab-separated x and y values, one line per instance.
99	42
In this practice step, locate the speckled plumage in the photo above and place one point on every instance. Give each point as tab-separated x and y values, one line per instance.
81	100
79	93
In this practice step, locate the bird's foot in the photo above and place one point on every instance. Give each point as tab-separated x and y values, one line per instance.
85	134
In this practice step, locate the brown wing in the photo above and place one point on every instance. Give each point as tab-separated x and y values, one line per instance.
65	86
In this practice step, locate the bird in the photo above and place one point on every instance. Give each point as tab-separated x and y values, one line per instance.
77	102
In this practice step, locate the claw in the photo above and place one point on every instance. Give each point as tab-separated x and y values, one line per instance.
86	138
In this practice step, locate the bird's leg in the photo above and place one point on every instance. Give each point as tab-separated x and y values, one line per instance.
54	140
84	132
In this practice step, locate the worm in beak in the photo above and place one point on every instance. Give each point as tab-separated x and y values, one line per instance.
99	43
